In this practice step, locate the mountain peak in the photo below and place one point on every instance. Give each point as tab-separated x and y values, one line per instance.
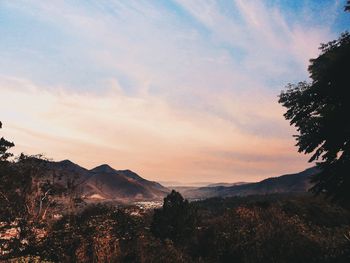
67	162
68	165
103	168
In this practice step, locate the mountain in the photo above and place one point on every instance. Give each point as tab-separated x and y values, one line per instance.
66	166
289	183
225	184
122	184
171	184
106	183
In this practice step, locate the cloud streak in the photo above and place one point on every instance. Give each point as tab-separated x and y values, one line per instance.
146	135
184	89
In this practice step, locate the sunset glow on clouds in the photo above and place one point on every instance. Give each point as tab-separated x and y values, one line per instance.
174	90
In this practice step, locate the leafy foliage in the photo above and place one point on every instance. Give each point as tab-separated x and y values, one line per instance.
5	145
276	229
175	220
5	171
273	228
347	6
320	111
102	233
28	198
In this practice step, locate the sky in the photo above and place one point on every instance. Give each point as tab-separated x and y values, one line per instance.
175	90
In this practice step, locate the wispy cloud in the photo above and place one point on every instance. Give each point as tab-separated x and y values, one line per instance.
184	88
144	134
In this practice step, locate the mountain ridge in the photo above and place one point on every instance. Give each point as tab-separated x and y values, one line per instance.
288	183
107	183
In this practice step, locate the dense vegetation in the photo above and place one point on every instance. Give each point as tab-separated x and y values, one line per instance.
275	228
319	110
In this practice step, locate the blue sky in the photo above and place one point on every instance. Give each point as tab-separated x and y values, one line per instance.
167	88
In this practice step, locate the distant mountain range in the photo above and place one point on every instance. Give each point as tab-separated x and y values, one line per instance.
290	183
184	184
225	184
105	183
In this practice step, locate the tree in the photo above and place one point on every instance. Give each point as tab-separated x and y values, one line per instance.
320	112
27	194
176	220
5	171
4	147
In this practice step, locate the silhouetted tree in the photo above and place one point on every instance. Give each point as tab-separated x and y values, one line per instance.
176	220
5	145
5	169
347	6
320	111
27	193
9	201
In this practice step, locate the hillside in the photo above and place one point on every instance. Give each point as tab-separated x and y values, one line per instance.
289	183
106	183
